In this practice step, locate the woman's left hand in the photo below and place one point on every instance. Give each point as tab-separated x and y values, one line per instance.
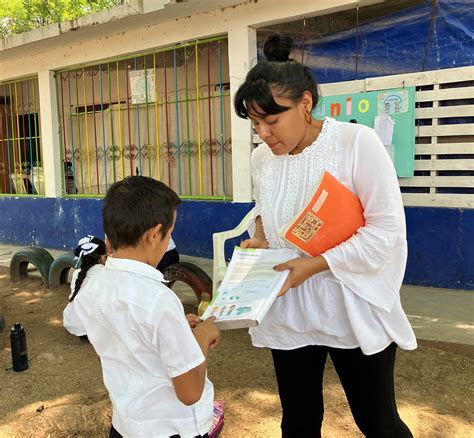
300	270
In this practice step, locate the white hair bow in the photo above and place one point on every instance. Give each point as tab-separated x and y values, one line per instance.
87	247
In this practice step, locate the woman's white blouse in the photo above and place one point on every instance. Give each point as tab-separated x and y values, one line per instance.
356	303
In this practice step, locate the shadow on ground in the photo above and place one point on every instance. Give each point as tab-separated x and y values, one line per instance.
62	394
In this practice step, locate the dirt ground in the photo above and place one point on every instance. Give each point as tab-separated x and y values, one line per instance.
62	395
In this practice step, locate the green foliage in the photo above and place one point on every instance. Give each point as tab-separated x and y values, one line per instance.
17	16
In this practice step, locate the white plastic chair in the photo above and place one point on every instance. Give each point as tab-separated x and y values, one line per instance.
18	183
218	241
37	179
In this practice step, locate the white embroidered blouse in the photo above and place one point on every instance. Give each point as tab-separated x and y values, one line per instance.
356	303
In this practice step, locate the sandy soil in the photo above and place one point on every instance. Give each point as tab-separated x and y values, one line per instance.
62	395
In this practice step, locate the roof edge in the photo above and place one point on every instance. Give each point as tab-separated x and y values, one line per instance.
130	8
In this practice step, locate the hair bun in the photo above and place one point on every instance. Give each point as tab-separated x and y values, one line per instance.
277	47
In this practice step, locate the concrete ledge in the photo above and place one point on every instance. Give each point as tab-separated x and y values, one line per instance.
133	7
163	10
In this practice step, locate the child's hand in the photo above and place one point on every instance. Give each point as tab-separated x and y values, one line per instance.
193	320
207	333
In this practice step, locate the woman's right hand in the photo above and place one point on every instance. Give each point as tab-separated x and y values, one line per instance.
254	242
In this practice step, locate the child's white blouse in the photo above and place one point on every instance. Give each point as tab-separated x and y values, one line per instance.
138	328
71	321
356	303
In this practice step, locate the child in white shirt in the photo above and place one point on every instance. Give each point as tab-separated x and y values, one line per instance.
153	357
91	255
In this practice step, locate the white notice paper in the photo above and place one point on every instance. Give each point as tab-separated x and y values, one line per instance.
384	126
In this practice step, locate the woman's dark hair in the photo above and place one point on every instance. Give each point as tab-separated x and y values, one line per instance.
278	74
87	260
133	206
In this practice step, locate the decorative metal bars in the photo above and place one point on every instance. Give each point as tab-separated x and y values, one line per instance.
21	170
163	114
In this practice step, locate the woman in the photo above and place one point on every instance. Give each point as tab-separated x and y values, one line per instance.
345	302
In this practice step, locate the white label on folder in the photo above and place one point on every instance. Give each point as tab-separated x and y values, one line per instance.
320	201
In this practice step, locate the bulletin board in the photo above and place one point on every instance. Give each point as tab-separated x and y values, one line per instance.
395	107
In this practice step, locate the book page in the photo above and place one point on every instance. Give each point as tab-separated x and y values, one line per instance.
250	284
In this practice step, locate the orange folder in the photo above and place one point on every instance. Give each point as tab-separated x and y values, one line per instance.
332	216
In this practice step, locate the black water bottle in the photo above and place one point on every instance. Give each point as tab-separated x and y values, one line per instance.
18	346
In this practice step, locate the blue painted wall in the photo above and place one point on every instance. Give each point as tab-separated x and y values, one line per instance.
440	240
61	222
440	247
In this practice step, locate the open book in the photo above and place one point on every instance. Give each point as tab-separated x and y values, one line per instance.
332	216
249	287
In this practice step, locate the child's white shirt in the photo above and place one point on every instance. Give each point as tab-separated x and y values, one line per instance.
71	322
138	328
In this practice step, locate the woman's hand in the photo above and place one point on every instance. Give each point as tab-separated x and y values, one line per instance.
300	270
254	242
257	241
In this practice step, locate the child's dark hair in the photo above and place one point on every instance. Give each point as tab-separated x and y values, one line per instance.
278	74
89	253
133	206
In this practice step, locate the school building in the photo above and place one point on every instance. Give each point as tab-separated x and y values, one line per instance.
146	88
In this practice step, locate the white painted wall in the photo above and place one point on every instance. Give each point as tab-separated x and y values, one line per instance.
50	134
148	31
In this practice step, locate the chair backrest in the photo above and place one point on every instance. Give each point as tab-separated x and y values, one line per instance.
18	183
218	240
37	180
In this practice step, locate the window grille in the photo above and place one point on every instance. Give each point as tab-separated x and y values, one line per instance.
21	169
164	114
